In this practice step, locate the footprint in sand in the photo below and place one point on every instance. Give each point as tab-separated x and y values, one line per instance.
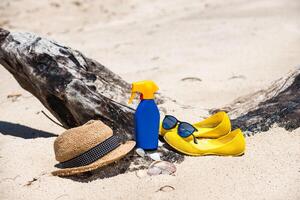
191	79
237	77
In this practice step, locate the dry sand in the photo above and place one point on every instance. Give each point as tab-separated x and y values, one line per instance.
230	48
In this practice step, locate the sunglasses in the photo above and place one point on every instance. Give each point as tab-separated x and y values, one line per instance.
184	129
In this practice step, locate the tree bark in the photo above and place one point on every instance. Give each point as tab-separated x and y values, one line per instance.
71	86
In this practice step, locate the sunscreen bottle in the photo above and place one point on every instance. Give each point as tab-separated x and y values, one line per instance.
146	117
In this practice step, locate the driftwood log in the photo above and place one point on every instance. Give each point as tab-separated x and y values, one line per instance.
72	87
75	89
278	104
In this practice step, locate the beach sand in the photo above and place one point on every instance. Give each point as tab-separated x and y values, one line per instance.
204	54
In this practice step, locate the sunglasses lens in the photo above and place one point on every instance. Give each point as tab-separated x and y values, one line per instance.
185	129
169	122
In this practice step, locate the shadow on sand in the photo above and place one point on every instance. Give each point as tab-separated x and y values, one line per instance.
18	130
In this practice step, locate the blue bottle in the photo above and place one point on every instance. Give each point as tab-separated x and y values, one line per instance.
146	117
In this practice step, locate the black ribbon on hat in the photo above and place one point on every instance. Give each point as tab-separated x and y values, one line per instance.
92	154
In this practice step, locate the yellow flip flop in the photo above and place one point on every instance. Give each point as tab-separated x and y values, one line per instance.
231	144
214	126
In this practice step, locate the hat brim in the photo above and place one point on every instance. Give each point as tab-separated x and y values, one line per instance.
111	157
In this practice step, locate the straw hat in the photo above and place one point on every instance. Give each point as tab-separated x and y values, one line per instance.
88	147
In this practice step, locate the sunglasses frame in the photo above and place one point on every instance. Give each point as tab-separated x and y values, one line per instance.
179	123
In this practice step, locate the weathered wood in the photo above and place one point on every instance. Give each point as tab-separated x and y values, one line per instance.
73	87
278	104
